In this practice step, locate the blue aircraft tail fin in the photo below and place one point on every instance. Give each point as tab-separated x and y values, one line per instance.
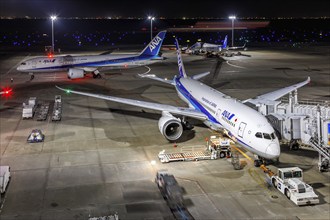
225	42
153	48
182	71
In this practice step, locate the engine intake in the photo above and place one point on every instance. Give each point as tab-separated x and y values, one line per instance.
170	127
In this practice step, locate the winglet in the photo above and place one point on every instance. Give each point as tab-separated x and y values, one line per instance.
182	71
153	48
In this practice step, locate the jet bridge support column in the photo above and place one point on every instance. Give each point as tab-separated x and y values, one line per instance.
293	100
295	97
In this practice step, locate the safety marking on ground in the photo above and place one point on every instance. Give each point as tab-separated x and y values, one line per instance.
145	73
253	173
233	65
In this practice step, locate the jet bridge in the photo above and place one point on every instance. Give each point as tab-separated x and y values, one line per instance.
303	122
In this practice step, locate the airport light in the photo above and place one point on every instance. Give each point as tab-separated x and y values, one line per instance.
151	19
53	18
232	18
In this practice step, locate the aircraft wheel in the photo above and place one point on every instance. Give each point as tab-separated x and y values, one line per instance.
275	183
257	163
222	154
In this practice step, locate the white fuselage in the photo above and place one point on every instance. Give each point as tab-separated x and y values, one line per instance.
87	62
246	126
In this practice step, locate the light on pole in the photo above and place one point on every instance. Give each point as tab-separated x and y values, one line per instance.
232	29
53	17
151	19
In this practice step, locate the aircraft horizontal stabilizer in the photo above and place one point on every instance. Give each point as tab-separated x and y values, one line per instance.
154	77
200	75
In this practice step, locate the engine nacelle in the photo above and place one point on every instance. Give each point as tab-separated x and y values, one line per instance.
76	73
170	127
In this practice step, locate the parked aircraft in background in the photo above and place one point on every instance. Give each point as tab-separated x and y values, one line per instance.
245	125
203	48
78	66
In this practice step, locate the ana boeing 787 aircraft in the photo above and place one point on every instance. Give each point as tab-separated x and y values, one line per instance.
78	66
246	126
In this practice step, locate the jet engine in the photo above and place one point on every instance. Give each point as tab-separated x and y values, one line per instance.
170	127
76	73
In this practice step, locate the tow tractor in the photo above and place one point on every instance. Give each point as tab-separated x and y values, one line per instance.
289	181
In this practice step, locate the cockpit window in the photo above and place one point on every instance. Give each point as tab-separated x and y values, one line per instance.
258	135
273	136
23	63
266	136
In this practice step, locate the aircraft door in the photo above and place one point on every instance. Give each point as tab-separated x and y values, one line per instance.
241	129
218	113
34	64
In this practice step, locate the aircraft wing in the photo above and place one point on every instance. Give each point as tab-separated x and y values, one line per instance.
272	96
189	112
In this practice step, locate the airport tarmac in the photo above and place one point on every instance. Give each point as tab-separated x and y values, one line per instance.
97	160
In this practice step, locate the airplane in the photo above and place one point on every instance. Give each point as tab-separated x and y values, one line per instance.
202	48
226	47
78	66
220	112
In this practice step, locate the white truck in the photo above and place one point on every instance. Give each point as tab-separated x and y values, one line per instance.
29	108
289	181
4	178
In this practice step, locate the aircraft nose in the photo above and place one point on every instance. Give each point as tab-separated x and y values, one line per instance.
273	150
18	68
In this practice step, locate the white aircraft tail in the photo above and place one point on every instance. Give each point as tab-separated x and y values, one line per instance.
182	71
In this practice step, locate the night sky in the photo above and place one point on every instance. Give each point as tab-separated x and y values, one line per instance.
165	8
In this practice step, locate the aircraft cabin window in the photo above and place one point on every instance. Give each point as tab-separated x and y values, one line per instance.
273	136
258	135
266	136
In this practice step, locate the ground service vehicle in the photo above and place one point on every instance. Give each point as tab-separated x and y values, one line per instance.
289	181
4	178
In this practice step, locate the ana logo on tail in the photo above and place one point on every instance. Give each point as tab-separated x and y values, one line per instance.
153	44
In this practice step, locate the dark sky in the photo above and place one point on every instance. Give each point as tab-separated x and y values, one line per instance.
165	8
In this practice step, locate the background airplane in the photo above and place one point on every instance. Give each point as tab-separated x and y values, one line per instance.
202	48
246	126
78	66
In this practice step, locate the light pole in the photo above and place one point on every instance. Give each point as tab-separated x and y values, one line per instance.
232	29
53	17
151	19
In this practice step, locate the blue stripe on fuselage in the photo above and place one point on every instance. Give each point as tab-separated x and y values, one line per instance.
193	101
100	63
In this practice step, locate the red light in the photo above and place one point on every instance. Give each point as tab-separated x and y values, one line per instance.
6	92
50	55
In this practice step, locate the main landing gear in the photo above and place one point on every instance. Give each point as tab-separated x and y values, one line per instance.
186	124
96	74
31	76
